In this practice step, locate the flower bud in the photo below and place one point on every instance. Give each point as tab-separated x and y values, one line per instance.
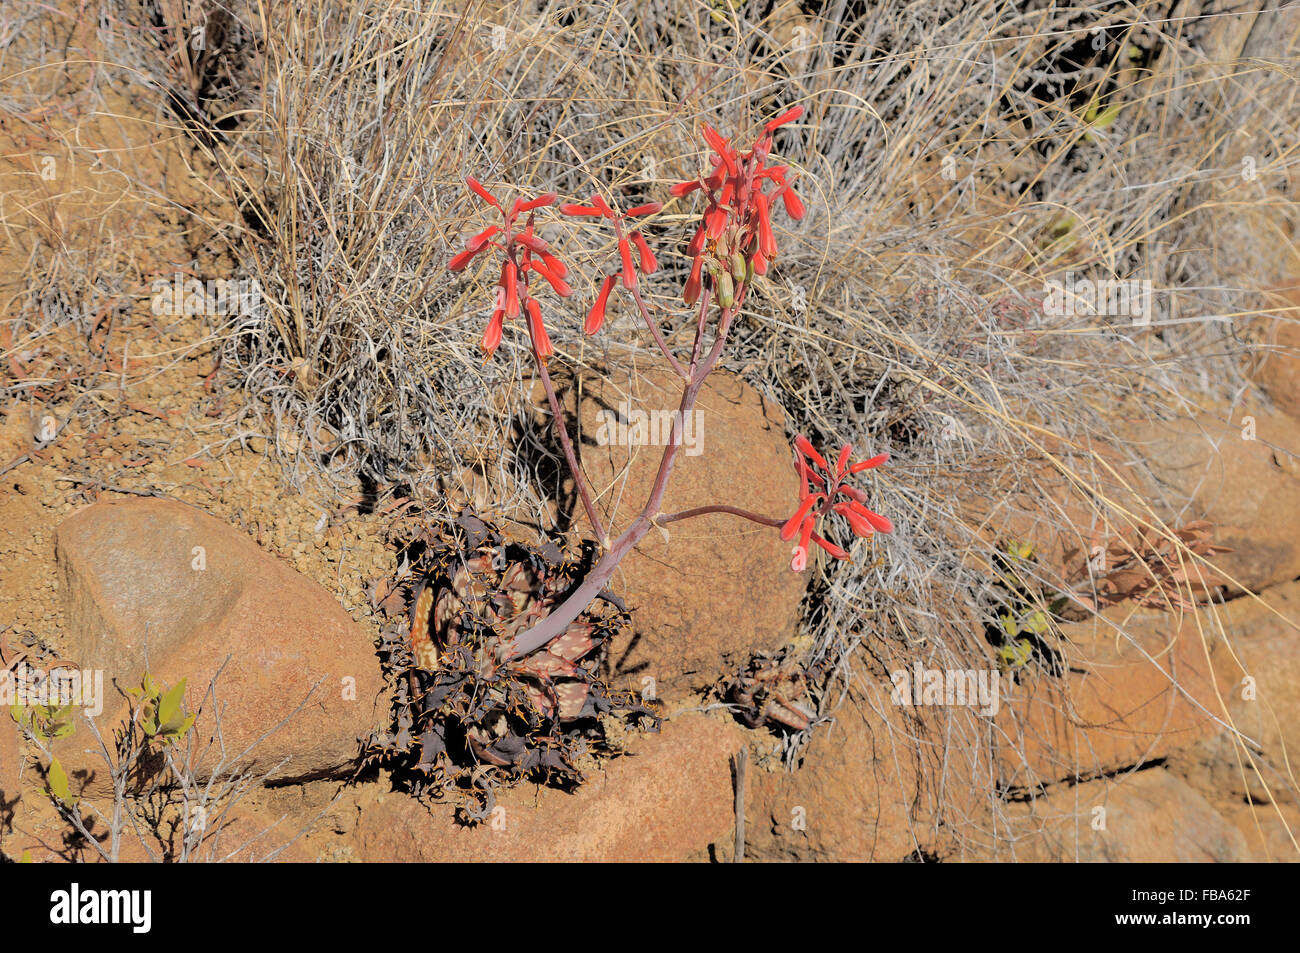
726	289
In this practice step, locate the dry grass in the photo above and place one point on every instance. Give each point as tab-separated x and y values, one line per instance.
955	157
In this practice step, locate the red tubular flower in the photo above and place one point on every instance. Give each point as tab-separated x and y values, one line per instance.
479	241
799	562
531	241
722	147
685	188
558	268
541	340
697	243
597	316
561	286
793	206
790	115
492	336
834	551
462	260
509	281
860	526
583	211
629	270
521	206
716	220
875	461
766	240
794	522
841	466
482	193
648	261
804	446
650	208
880	524
807	474
691	293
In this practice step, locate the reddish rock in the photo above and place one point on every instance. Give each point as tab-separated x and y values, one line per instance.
716	588
671	798
1127	699
1191	469
1242	475
1276	366
1271	831
882	783
159	579
1257	666
1147	817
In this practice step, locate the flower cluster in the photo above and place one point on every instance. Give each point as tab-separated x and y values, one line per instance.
822	489
523	253
734	240
646	263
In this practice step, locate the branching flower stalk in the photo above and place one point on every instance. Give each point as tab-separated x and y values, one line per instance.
733	243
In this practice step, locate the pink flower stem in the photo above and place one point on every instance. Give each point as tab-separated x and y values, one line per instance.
658	335
555	624
650	322
720	508
699	328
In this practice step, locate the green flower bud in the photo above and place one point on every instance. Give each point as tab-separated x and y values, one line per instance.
726	290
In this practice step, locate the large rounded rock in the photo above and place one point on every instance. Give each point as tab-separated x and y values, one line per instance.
1259	671
712	589
1238	470
157	585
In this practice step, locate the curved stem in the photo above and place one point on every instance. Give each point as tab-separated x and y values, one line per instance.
719	508
562	615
